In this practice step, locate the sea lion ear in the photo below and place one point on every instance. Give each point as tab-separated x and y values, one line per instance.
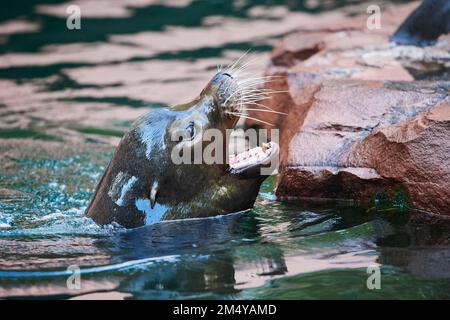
154	194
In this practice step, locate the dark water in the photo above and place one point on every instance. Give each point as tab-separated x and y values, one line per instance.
65	99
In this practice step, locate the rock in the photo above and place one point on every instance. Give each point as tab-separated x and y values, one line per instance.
415	154
366	120
360	139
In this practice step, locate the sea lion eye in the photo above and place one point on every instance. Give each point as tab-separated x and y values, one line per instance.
191	129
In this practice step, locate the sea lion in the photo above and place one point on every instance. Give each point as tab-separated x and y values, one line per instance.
143	185
425	24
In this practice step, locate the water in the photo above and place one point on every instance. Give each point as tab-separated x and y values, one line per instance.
67	96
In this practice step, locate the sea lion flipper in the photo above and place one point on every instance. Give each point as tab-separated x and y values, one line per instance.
153	194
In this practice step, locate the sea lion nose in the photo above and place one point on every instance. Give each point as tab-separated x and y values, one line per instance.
221	80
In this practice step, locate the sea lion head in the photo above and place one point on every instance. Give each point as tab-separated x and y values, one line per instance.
174	163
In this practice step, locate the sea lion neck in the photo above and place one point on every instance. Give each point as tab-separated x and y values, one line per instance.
153	176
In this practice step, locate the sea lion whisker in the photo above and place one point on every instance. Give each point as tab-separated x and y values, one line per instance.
245	74
269	90
248	81
256	86
259	104
231	96
269	76
250	62
278	91
252	100
252	94
239	113
252	88
244	66
266	93
254	82
263	110
252	85
241	70
245	92
254	97
252	91
258	91
274	76
248	117
255	78
231	68
249	88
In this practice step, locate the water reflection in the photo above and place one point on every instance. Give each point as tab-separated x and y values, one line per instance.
128	57
227	253
67	96
420	247
230	256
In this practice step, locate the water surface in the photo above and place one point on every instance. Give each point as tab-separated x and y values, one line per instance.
66	98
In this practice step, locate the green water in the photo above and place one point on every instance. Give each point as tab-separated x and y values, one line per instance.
61	113
279	250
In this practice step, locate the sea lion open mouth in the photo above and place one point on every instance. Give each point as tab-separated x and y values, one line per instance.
250	161
232	97
165	168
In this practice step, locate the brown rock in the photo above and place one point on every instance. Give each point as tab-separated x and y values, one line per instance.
361	138
359	123
416	154
290	51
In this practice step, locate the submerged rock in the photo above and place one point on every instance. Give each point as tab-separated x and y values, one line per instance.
367	120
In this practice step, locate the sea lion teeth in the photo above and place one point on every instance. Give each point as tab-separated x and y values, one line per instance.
153	194
252	156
